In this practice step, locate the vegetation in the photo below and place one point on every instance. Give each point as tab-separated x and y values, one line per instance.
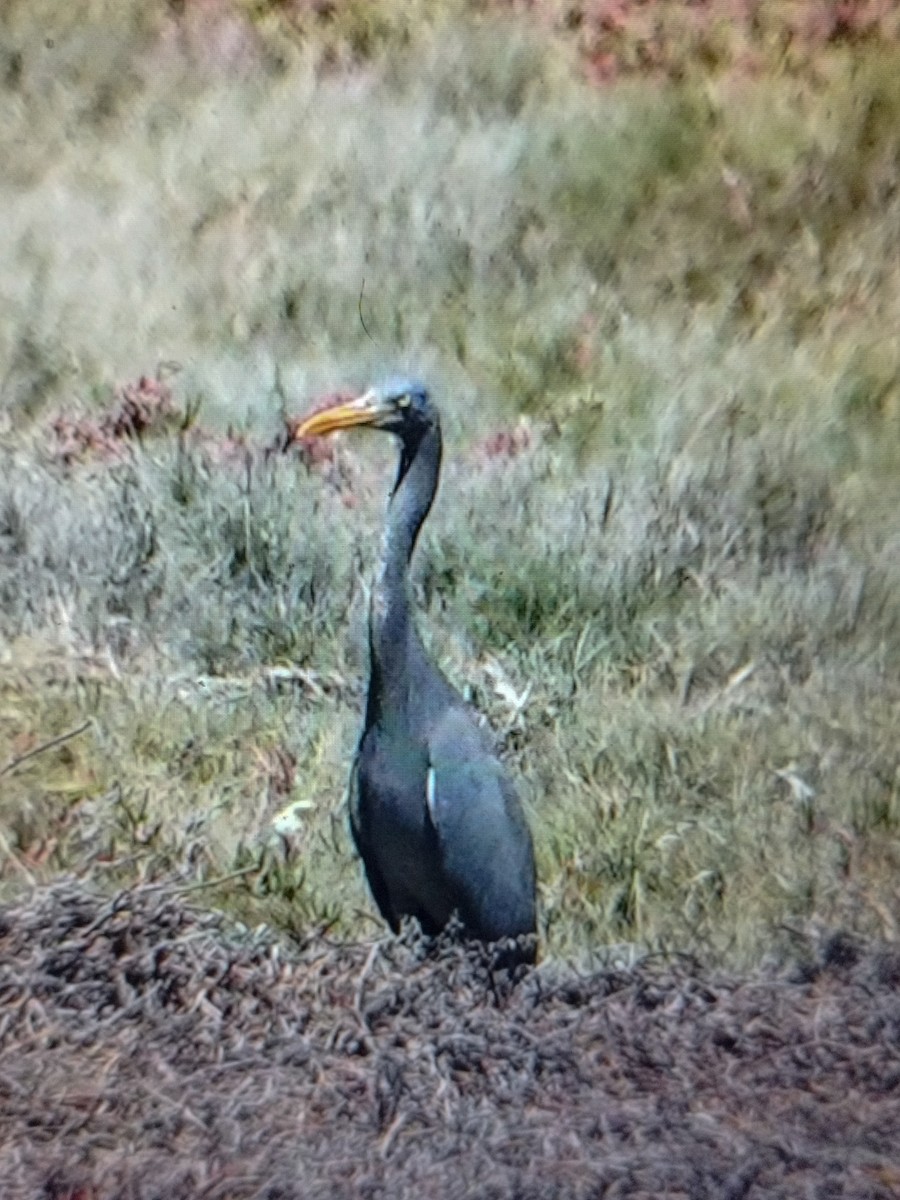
653	283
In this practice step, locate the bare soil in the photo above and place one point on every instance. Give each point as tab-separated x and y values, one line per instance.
149	1049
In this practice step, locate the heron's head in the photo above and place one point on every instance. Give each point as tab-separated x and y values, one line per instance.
401	407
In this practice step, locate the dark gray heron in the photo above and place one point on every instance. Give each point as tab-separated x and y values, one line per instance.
433	814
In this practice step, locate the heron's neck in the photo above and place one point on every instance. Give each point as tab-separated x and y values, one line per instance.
391	628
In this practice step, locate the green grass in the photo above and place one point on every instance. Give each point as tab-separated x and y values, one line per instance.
678	605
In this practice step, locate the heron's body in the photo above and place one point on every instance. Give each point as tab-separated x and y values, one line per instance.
433	814
436	820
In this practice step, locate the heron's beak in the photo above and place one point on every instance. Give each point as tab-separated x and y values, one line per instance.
367	410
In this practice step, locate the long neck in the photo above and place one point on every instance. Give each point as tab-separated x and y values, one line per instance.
391	629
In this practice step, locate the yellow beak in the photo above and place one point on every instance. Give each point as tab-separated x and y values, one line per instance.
367	410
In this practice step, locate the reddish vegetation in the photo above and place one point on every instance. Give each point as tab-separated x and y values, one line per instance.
505	443
149	1052
214	34
668	37
613	37
315	451
140	408
148	407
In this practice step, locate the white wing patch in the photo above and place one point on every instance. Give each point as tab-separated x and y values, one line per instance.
430	798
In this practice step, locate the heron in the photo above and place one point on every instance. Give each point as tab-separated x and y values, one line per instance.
433	814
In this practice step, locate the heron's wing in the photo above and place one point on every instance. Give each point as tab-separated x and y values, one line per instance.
366	852
485	844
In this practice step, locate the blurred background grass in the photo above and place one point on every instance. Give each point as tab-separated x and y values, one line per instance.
646	257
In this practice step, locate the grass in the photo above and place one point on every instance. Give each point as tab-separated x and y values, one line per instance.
674	594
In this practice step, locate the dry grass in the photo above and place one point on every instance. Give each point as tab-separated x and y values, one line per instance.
673	589
151	1051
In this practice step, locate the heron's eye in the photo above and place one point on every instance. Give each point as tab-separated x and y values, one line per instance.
404	401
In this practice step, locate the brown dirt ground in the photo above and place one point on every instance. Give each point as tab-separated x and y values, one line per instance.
148	1049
